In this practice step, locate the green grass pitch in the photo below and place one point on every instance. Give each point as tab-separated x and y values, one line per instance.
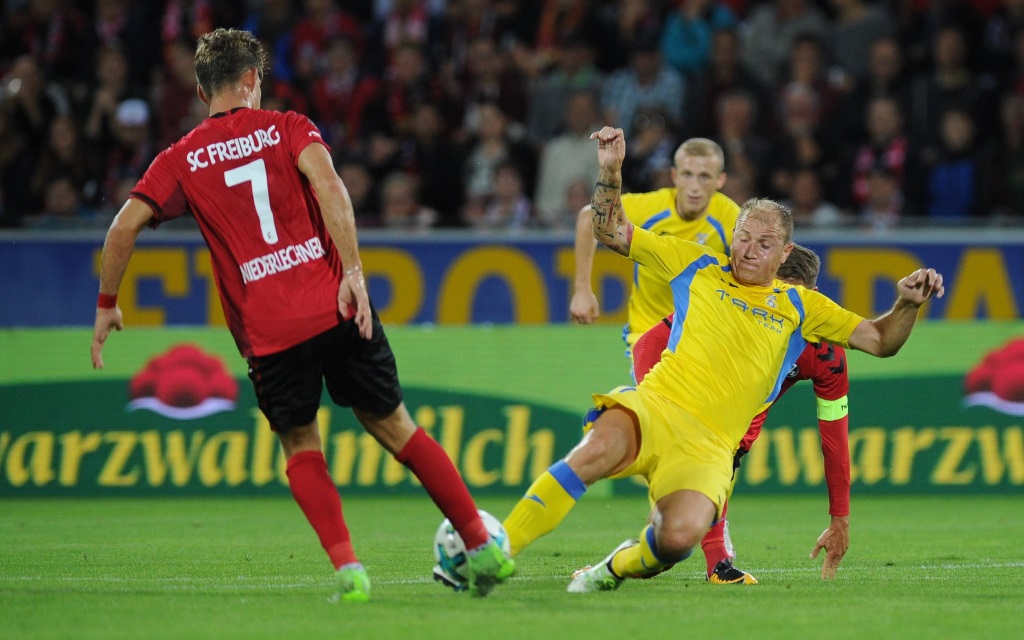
918	567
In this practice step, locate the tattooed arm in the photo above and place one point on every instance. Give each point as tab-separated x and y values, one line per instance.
611	226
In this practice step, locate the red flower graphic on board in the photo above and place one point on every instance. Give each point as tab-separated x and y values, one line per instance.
184	383
997	381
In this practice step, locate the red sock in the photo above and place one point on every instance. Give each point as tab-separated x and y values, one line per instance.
429	462
713	544
318	498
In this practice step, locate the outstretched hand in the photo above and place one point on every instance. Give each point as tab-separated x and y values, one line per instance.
835	541
106	321
611	148
921	285
353	300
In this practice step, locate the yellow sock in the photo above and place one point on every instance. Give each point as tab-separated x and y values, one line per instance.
641	560
545	504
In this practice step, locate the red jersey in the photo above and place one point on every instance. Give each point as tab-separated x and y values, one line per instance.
825	365
276	268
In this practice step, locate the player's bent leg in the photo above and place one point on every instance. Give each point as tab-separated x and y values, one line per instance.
608	447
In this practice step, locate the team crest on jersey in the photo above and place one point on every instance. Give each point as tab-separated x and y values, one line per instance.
770	301
793	372
700	238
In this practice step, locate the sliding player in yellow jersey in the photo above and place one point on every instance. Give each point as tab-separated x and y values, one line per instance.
736	333
692	210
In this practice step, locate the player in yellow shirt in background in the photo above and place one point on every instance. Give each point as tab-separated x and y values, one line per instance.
692	210
736	333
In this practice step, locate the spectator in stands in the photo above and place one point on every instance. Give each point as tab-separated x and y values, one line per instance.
806	66
566	160
272	22
133	149
130	27
886	77
803	142
176	94
951	83
806	201
507	208
646	82
491	78
746	151
627	21
30	103
650	154
361	192
883	203
686	37
724	73
771	30
401	209
573	71
343	93
1010	164
64	157
112	86
405	22
53	34
16	170
437	162
856	26
62	208
492	145
958	184
887	145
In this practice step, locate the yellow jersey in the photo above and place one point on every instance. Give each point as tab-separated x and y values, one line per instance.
731	345
650	299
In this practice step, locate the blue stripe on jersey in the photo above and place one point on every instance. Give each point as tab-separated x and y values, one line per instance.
796	346
681	295
721	233
566	477
650	222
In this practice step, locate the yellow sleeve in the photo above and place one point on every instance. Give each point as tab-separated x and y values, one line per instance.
826	320
666	256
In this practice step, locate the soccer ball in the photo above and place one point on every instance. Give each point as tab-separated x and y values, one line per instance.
450	551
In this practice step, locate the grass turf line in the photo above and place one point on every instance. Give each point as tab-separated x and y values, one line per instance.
918	567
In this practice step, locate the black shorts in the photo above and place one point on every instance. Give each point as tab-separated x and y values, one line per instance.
359	373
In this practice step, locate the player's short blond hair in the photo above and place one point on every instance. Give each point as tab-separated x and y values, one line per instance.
764	205
701	147
223	55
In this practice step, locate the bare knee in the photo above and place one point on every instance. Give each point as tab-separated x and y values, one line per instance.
299	439
610	446
392	431
676	540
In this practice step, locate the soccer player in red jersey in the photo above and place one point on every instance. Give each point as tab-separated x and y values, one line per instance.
282	238
825	365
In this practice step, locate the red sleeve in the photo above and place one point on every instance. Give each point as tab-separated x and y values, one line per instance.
647	350
301	132
161	189
832	382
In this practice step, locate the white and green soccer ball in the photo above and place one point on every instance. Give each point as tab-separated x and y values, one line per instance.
452	567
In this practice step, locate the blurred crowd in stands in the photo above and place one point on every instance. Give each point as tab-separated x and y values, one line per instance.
477	113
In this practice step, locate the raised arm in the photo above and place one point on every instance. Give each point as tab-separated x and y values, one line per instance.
117	251
610	225
336	209
885	335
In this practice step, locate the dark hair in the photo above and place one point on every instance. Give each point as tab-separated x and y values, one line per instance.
802	265
223	55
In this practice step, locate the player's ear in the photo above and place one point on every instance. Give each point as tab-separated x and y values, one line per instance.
201	94
721	181
786	251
